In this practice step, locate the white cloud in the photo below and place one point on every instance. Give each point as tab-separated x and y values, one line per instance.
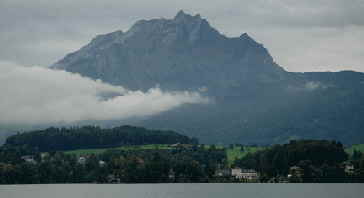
38	95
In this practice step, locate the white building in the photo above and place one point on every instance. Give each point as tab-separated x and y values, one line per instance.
247	174
236	172
349	169
102	163
82	160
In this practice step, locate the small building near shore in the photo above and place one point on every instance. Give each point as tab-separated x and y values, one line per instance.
295	171
246	174
111	178
249	174
236	172
349	168
171	174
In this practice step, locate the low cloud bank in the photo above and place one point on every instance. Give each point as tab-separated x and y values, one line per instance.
38	95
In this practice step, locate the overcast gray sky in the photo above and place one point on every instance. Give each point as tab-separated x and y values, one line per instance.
309	35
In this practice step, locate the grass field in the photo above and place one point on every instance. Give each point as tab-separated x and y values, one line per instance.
237	152
358	147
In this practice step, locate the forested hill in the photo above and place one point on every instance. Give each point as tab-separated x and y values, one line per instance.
320	160
55	139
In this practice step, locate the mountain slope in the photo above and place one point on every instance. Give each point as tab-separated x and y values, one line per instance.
255	100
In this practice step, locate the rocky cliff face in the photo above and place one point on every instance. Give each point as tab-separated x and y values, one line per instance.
256	101
184	52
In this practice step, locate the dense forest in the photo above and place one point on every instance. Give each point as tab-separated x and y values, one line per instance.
57	139
192	164
319	160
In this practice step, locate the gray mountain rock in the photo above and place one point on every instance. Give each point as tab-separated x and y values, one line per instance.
184	52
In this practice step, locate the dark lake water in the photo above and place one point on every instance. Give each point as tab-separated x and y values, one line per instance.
183	191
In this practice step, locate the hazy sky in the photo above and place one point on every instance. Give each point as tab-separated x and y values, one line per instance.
309	35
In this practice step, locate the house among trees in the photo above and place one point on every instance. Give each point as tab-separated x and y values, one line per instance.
349	168
102	163
111	178
171	174
295	172
81	160
249	174
181	146
29	159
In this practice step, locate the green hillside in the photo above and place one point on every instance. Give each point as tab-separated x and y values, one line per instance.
358	147
231	153
236	152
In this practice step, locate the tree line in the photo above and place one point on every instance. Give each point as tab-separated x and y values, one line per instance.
315	160
319	161
193	164
57	139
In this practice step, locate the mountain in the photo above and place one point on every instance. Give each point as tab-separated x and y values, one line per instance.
182	53
254	99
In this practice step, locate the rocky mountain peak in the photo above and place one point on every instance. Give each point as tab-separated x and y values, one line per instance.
183	27
182	16
170	51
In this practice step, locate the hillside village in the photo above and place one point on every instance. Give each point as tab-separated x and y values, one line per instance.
235	174
139	155
106	167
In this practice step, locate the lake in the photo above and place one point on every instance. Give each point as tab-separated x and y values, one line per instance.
182	190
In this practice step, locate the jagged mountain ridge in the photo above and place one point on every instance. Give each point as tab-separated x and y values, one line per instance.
172	53
256	100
